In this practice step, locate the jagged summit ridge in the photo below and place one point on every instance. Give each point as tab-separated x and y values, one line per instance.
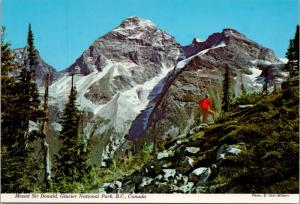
136	41
235	40
135	21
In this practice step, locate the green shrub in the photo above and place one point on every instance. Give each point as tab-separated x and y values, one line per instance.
125	167
247	98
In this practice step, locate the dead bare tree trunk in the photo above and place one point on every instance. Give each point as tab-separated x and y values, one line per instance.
44	144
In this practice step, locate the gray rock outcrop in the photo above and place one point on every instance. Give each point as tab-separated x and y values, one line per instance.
40	70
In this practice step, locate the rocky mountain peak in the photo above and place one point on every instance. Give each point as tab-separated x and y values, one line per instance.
135	41
231	32
234	40
197	40
226	36
139	30
135	21
118	76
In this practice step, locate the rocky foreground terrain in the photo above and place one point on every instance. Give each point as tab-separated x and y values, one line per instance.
253	149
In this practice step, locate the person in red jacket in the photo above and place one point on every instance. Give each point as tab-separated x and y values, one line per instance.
205	106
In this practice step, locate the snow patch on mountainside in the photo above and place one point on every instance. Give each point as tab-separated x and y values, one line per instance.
262	62
266	62
199	40
61	88
252	81
184	62
221	44
284	60
136	36
255	73
126	105
141	122
59	91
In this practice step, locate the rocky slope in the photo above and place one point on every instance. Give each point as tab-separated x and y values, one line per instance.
255	149
176	111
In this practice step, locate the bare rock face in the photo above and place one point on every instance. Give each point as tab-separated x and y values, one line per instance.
138	48
203	72
235	40
40	70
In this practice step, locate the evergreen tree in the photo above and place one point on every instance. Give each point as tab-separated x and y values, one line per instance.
7	91
83	165
226	90
20	106
28	103
32	56
267	74
72	159
17	162
68	135
7	119
293	55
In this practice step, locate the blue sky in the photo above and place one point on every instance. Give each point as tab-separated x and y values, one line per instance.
63	29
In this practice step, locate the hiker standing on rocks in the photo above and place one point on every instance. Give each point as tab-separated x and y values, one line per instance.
205	106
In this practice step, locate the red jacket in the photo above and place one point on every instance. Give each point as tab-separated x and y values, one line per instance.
205	103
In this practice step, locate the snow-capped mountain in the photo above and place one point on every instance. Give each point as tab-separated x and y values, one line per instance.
137	81
116	78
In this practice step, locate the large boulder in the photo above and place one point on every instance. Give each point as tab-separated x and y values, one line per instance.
200	175
192	150
186	165
228	150
164	154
